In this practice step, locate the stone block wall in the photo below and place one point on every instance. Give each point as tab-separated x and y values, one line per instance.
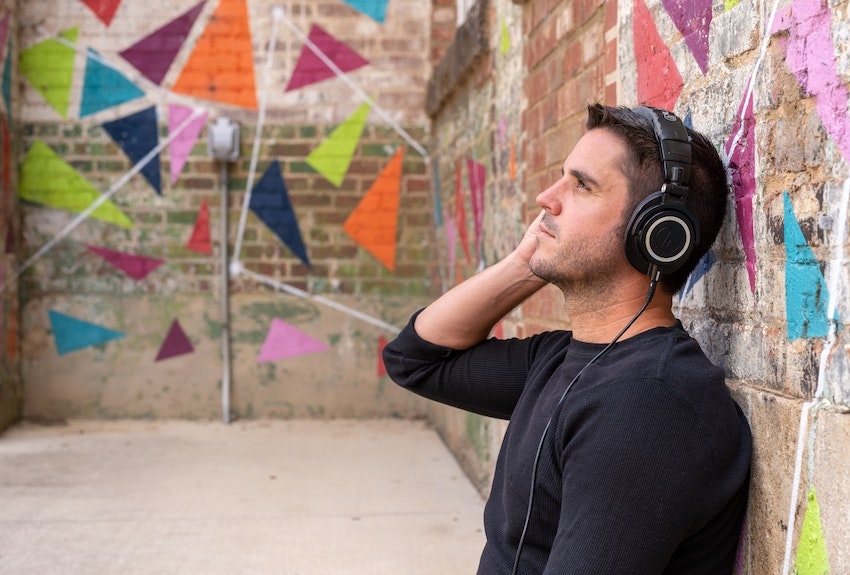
768	85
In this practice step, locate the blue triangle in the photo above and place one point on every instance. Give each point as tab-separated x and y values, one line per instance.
72	334
137	134
270	201
806	294
7	81
105	87
703	267
375	9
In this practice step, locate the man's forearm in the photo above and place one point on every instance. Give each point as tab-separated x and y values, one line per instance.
464	315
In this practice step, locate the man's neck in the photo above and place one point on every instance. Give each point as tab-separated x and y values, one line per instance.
601	321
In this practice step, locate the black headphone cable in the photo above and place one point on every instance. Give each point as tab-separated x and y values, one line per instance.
653	284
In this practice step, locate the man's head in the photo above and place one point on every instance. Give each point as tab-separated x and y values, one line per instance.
642	169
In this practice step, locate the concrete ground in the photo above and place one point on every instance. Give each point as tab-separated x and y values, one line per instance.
272	497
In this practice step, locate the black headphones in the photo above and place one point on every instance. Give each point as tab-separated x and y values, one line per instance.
663	231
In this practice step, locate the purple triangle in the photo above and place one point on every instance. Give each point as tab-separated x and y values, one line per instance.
693	19
176	343
154	54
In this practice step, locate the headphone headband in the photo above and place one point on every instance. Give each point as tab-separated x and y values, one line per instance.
674	145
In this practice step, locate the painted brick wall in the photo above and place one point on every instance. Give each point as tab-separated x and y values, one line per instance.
10	374
122	378
761	305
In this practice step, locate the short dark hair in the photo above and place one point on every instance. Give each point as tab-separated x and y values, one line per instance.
709	186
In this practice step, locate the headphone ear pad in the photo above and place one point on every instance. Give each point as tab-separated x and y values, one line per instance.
660	234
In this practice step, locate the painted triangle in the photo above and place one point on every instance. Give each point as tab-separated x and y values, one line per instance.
71	334
181	145
310	69
375	9
7	81
49	68
658	80
703	267
806	294
382	368
477	174
137	267
374	222
332	157
47	179
270	202
284	340
105	87
175	343
103	9
138	134
742	163
154	54
693	19
460	215
221	66
812	554
200	240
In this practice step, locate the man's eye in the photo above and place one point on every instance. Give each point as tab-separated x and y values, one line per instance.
582	185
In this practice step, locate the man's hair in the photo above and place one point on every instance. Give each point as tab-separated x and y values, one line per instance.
708	186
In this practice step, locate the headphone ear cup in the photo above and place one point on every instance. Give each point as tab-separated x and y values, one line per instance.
660	234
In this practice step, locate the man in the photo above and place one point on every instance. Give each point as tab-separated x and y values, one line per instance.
625	453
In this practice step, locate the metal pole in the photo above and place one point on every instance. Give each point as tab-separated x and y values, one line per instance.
225	298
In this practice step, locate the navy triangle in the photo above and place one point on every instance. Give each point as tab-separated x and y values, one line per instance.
270	201
137	134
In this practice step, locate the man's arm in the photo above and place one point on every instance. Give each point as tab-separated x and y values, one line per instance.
464	315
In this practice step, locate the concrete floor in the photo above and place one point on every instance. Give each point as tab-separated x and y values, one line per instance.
272	497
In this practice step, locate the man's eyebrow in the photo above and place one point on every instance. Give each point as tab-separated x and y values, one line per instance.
584	177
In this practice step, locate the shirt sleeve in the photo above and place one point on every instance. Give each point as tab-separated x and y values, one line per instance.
487	378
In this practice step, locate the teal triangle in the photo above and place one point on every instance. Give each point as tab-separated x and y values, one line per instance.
806	294
71	334
7	81
105	87
375	9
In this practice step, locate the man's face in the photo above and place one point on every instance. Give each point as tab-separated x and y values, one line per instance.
580	239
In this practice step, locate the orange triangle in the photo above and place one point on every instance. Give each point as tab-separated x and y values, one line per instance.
221	67
200	240
374	222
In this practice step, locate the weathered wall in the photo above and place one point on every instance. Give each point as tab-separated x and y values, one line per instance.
10	366
762	302
243	79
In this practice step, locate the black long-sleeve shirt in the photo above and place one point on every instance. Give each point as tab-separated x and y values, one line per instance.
645	466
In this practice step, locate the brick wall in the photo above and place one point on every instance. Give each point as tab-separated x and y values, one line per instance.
761	310
122	378
10	375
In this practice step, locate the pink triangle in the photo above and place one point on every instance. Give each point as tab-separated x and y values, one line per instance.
103	9
311	69
176	343
154	54
137	267
477	174
284	340
182	144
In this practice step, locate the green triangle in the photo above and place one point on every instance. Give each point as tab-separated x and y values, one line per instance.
332	157
505	41
47	179
812	558
49	67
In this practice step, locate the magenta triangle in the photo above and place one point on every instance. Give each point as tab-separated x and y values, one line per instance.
311	69
176	343
137	267
154	54
284	340
183	143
